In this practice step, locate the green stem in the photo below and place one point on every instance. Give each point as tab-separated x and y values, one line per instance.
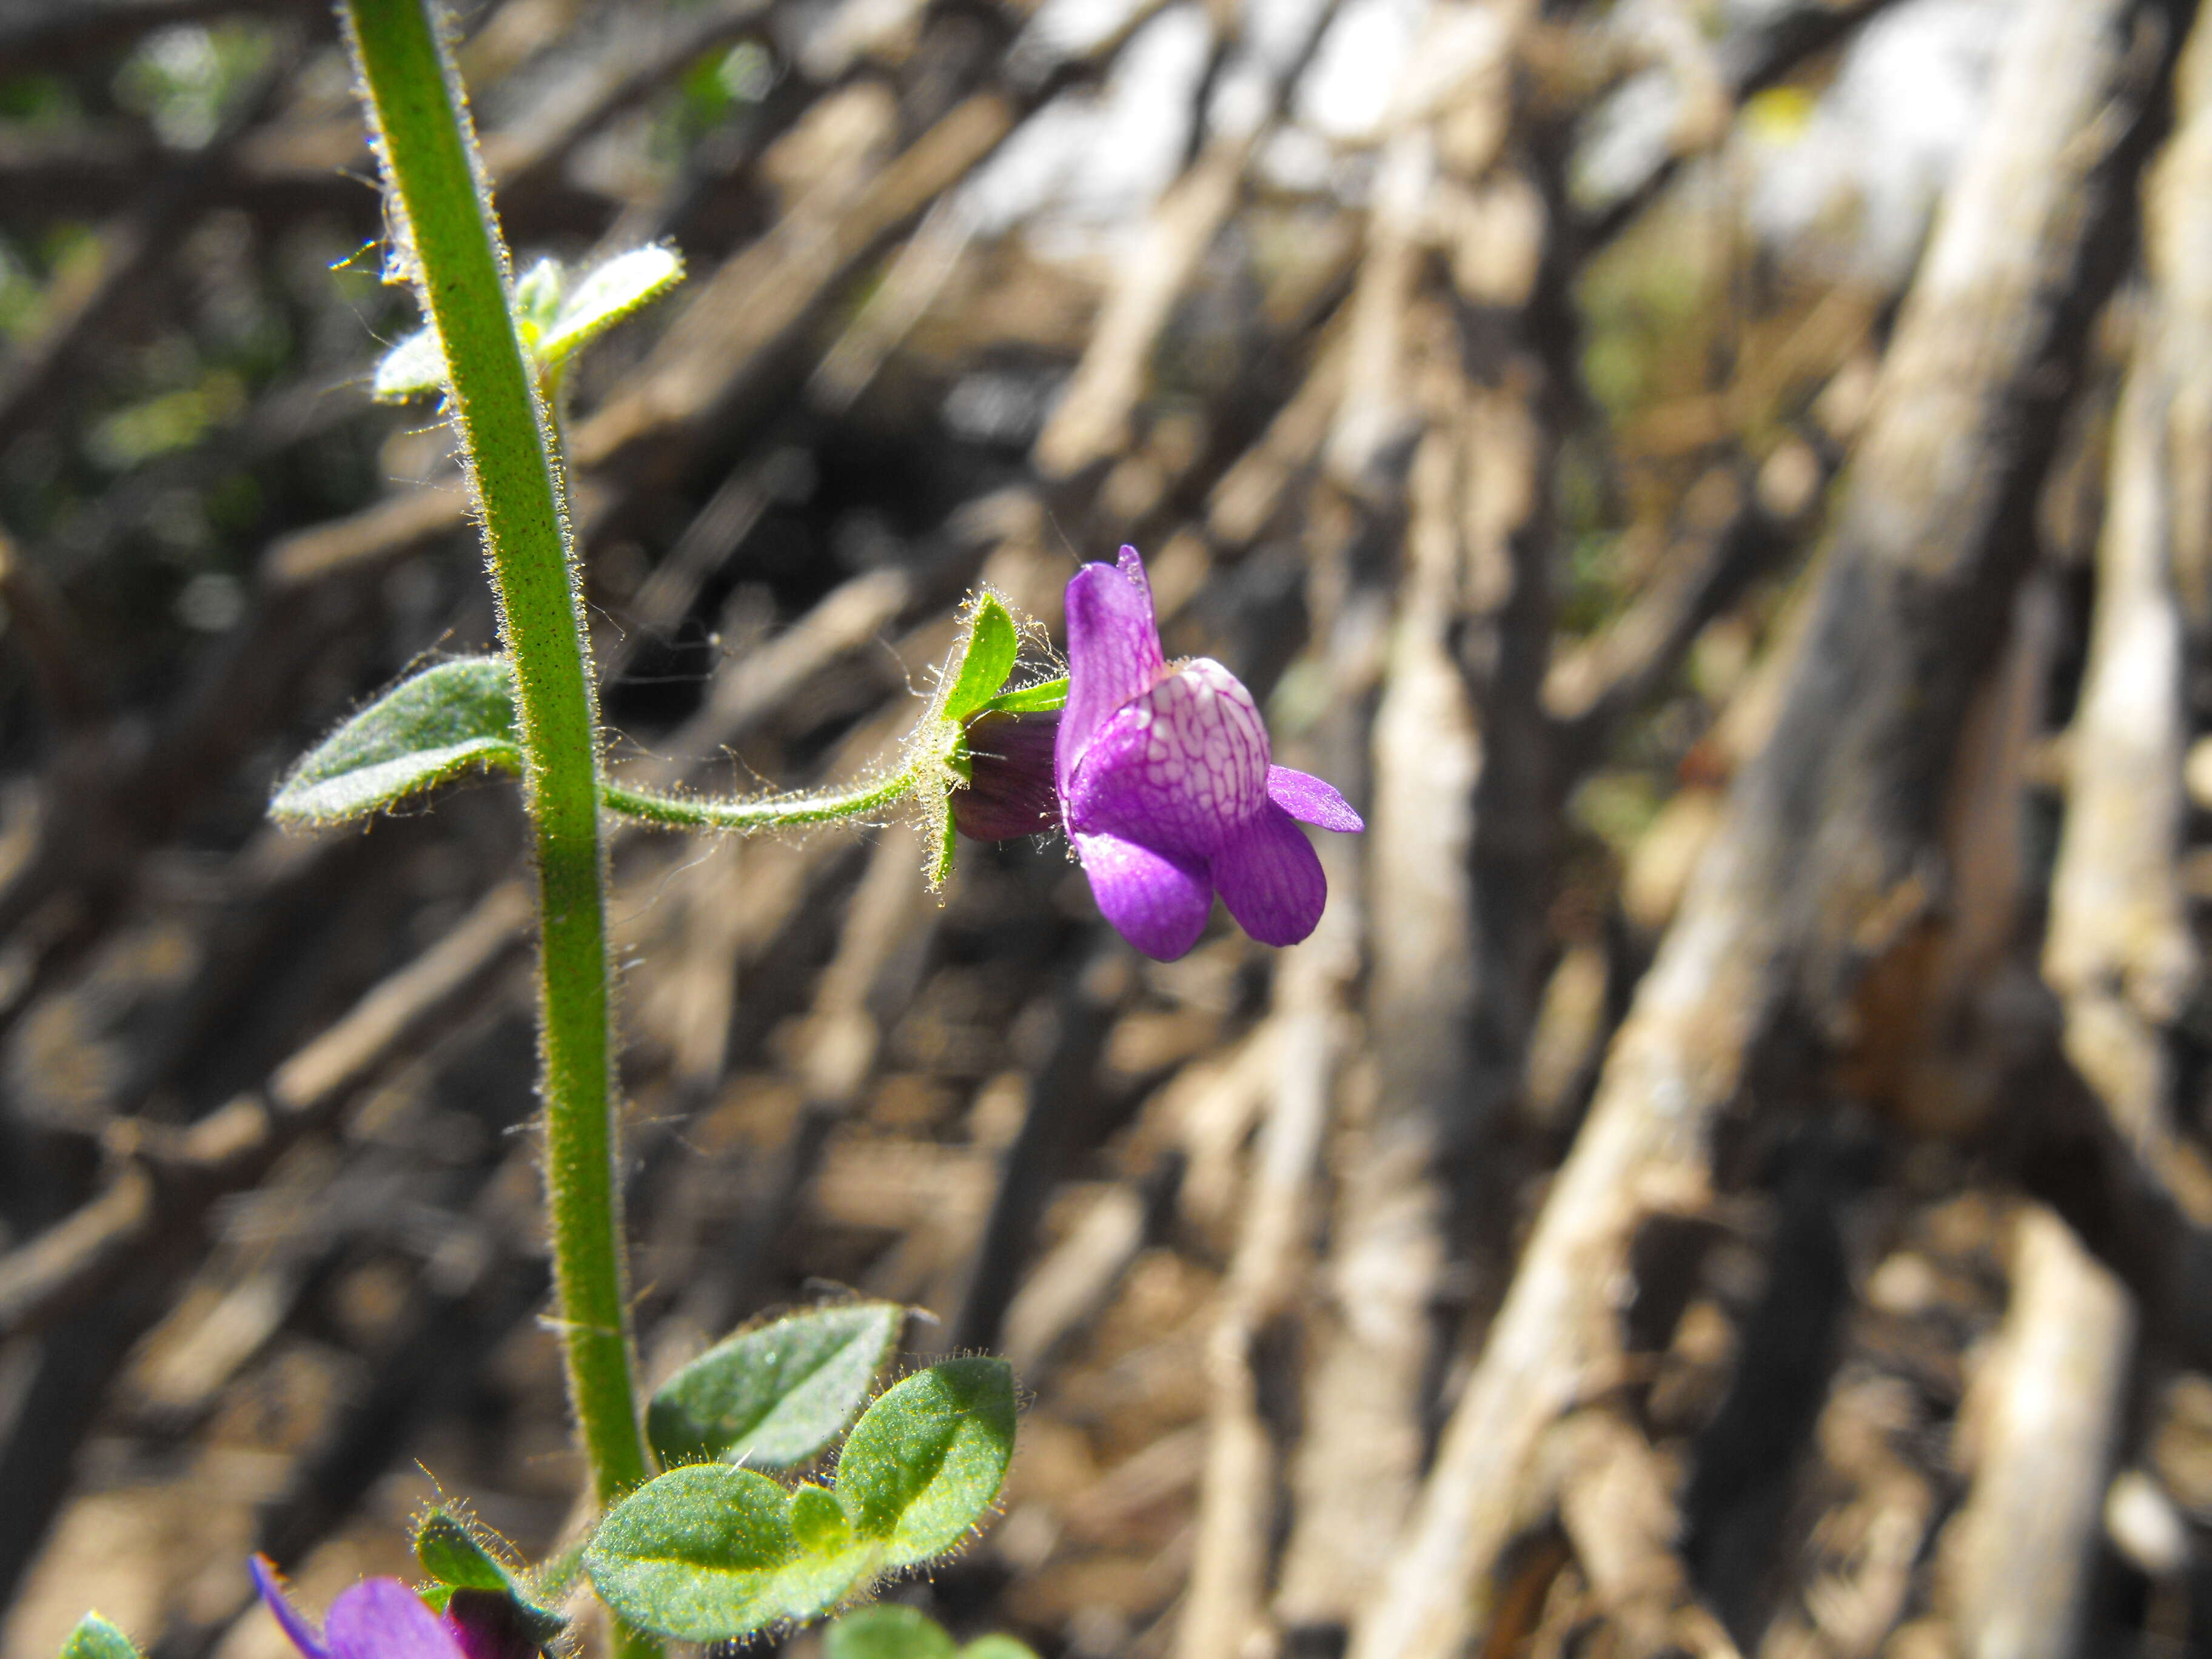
764	813
431	164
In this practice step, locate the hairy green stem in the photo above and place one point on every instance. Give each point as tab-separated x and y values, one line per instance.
452	242
762	812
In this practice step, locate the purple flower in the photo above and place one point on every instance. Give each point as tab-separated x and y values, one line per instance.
383	1619
1166	785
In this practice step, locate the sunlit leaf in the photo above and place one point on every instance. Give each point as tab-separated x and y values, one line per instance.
413	368
778	1395
455	717
926	1461
618	288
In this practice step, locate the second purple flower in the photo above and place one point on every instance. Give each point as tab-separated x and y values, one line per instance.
1167	785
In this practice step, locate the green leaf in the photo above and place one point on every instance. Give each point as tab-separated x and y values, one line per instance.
411	370
94	1637
992	644
776	1395
888	1631
997	1646
445	720
622	285
1040	699
707	1554
927	1461
817	1521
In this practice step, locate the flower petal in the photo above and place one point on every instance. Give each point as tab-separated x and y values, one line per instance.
382	1618
1310	800
1178	768
1270	879
1113	651
298	1628
1158	903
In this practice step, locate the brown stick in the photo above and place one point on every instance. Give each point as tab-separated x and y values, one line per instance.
2047	1412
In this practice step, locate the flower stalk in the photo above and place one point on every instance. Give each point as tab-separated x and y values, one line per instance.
448	244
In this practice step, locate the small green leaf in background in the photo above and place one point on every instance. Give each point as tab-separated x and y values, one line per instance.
887	1631
926	1462
707	1553
997	1646
1040	699
537	300
454	1553
817	1521
413	368
445	720
992	645
775	1396
622	285
94	1637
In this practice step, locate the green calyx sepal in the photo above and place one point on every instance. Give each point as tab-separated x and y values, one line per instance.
466	1559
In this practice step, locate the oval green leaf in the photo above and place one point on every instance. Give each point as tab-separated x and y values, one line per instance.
888	1631
448	719
95	1637
926	1462
777	1396
696	1553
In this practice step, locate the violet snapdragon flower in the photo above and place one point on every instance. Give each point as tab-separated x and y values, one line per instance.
1166	783
383	1619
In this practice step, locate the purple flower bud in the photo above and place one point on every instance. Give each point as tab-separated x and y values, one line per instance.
1167	784
1010	788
